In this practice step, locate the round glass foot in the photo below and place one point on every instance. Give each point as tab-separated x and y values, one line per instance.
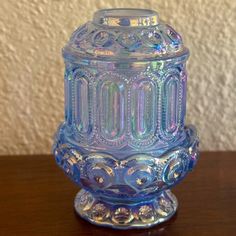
126	215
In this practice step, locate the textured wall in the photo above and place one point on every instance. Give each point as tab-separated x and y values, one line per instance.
32	33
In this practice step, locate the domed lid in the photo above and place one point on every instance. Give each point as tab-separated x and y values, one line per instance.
125	34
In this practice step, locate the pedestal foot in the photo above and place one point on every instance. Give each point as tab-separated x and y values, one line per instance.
126	215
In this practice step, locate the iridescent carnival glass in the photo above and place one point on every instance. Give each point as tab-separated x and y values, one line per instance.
124	139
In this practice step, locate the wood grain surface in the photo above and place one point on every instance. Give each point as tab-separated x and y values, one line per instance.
36	198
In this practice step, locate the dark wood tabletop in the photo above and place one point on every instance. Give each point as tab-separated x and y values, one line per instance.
36	198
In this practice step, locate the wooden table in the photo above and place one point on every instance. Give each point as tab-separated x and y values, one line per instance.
36	198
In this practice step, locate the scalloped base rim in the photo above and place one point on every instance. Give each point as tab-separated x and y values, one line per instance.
125	215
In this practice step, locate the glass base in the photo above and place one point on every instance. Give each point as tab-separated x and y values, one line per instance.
126	215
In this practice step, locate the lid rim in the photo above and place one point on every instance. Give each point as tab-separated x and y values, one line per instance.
126	17
65	51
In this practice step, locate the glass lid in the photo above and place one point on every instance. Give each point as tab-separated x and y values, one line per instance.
124	34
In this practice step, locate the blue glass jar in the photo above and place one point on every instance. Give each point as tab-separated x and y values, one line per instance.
124	139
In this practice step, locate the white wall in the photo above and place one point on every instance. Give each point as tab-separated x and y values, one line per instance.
32	34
